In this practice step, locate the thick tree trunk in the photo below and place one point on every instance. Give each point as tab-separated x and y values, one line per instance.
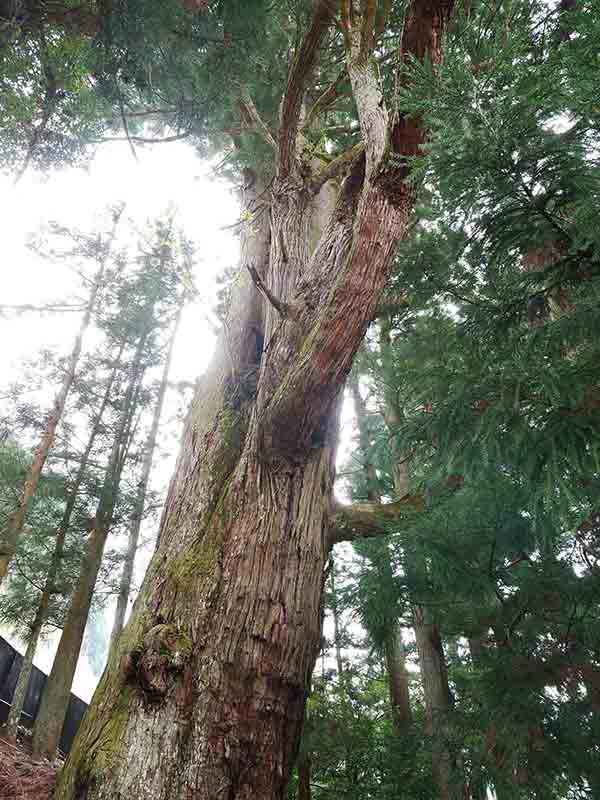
136	522
53	708
16	709
204	697
17	518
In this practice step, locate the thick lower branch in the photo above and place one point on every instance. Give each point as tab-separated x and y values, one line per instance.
367	520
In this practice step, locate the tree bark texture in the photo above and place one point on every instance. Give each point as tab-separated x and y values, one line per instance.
136	522
16	709
18	517
53	708
204	696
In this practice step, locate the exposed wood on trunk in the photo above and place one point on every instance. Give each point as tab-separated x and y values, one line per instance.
16	709
138	513
19	515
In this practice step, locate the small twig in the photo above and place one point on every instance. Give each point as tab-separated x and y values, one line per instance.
283	309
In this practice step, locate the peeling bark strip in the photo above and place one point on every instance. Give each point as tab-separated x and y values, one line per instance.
204	697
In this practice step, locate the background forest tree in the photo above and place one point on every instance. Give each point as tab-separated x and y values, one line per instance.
447	209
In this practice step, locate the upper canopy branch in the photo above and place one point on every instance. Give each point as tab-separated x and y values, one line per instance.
367	520
304	61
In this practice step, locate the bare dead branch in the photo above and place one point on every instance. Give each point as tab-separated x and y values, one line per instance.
255	119
283	309
144	140
54	308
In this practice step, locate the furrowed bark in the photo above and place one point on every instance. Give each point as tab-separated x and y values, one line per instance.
136	522
206	689
16	709
53	708
19	515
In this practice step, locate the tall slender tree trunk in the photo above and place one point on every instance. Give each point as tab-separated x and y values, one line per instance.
204	696
395	664
394	651
138	513
337	634
16	709
304	788
430	651
53	708
30	484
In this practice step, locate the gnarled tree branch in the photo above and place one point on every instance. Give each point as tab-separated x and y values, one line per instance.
257	122
367	520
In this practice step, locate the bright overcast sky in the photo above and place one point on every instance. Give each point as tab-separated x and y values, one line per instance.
167	176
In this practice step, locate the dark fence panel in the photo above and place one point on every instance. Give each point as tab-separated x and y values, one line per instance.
10	666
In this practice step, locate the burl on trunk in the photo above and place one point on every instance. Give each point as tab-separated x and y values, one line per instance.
204	697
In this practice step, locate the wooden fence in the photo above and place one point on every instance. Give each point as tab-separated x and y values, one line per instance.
10	666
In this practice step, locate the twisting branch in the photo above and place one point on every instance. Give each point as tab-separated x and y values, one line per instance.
283	309
251	112
304	61
367	520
